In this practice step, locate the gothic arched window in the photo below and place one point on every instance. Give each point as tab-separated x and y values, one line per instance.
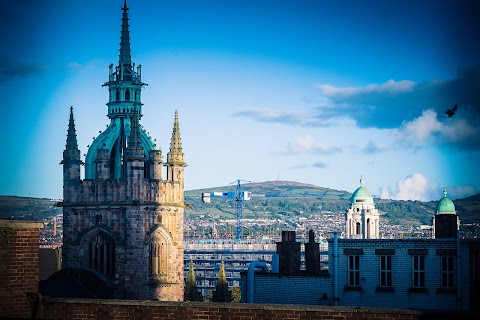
159	248
101	253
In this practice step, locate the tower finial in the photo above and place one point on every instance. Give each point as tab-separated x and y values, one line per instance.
361	181
134	150
445	192
71	154
175	155
125	57
71	134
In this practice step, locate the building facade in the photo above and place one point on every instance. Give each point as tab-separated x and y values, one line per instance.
124	220
440	273
362	219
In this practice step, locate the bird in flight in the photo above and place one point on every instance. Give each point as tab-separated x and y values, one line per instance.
451	112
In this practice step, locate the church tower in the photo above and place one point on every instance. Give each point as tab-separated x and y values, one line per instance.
124	221
362	218
445	222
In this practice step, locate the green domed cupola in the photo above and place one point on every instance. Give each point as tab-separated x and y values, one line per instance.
361	195
445	205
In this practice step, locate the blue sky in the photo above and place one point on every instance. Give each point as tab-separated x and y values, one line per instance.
319	92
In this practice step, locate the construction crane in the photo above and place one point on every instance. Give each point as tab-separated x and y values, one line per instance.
239	195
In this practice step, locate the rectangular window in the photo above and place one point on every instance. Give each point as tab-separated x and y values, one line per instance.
418	271
354	271
447	271
385	271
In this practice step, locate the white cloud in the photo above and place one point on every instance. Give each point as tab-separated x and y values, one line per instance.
428	128
391	87
421	128
417	187
413	187
305	119
308	145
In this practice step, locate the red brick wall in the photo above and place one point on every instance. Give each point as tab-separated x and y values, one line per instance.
18	266
73	309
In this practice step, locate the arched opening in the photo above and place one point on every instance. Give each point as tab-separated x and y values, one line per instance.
127	95
357	228
117	95
159	253
101	253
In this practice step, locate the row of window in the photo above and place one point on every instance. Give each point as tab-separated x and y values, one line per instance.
418	271
127	95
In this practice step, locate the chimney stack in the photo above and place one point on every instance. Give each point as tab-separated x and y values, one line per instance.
288	251
312	254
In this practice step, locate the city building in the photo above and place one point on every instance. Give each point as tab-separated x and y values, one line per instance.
362	217
430	274
207	255
124	221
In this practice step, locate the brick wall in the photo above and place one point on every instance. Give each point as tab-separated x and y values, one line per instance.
19	267
74	309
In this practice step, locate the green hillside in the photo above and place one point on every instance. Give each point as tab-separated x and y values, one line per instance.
24	208
273	200
285	199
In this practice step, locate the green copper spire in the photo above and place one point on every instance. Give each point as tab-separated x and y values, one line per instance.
134	149
125	56
124	87
175	155
135	141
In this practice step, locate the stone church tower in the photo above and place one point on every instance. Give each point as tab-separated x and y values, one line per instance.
123	221
362	219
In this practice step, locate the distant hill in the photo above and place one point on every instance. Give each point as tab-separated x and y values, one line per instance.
284	199
271	199
25	208
278	189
